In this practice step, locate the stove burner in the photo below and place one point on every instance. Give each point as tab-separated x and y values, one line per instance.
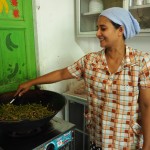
58	132
29	133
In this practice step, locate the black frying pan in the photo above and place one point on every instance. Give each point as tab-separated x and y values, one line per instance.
55	101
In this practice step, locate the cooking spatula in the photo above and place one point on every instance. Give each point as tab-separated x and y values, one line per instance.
14	98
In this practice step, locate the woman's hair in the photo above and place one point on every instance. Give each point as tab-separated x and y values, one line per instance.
117	27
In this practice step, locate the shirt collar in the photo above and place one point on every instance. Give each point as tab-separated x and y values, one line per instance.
128	61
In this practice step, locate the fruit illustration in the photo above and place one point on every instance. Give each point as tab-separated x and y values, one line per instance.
10	45
14	3
4	4
13	71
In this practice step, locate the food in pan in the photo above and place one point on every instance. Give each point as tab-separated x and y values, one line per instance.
10	112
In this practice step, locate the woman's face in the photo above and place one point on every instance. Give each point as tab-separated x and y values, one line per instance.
107	34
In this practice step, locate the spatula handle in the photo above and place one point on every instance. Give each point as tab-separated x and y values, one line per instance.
13	99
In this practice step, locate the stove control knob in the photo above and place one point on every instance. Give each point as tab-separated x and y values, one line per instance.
50	147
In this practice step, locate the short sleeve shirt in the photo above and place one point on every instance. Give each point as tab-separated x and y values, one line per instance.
113	108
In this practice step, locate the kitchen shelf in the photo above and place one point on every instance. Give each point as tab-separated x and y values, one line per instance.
86	21
139	6
91	13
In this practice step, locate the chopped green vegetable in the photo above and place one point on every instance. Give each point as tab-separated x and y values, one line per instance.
10	112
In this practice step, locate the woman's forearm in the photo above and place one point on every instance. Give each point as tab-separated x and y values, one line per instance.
51	77
146	126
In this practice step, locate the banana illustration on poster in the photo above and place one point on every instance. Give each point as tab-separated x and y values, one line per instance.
9	43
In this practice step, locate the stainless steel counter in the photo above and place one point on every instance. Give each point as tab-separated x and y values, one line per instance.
79	98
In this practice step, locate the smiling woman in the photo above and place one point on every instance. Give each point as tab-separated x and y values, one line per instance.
114	113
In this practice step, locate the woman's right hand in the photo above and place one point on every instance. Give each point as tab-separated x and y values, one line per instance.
23	88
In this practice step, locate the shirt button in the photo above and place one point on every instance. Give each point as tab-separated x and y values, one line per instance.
109	82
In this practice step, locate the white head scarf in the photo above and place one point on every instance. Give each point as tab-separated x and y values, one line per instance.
124	18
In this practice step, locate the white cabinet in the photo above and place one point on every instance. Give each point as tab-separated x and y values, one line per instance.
86	19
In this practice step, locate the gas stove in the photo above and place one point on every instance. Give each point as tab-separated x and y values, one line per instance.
59	135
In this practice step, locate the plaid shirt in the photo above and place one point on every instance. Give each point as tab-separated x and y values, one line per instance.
113	107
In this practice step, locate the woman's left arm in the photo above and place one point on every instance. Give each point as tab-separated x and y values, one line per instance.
145	111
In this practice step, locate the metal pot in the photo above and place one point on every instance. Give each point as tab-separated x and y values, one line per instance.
53	100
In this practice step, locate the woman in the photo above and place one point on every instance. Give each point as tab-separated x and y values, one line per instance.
117	80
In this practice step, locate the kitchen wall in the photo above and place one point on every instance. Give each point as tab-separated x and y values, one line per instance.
56	45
